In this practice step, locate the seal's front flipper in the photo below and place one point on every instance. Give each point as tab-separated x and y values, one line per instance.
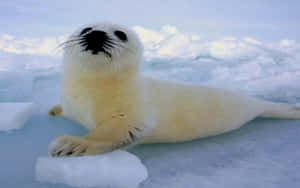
56	111
77	146
100	140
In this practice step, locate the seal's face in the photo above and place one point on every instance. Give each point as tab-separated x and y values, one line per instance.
103	45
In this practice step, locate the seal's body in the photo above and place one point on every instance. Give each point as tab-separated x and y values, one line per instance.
103	89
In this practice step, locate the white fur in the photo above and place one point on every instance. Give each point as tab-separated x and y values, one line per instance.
111	97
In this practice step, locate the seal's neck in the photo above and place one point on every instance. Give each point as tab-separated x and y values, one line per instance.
99	78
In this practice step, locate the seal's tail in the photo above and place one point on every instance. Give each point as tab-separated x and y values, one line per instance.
281	110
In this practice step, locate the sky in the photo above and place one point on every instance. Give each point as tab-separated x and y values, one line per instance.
264	20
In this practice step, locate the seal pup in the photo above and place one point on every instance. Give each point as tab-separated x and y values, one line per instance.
103	89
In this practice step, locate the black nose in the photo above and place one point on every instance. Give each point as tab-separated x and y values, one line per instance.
96	41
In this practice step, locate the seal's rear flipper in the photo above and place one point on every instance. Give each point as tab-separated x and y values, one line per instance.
281	110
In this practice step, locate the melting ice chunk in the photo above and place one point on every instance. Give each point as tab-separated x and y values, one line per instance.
115	169
14	115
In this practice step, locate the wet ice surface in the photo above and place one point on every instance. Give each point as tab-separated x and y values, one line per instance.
264	153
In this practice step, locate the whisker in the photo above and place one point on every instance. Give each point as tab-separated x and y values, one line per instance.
69	41
110	47
126	47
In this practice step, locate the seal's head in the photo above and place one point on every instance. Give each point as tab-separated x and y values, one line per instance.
103	46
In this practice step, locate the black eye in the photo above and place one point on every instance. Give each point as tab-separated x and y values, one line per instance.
85	30
121	35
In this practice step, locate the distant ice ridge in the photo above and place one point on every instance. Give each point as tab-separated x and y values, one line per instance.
118	169
266	69
167	42
264	77
12	62
14	115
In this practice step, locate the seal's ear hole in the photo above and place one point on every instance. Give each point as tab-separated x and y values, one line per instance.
121	35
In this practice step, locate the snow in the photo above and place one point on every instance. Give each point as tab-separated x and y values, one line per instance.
14	115
264	153
115	169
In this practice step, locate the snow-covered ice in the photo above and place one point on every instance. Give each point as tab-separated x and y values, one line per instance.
262	154
118	169
14	115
